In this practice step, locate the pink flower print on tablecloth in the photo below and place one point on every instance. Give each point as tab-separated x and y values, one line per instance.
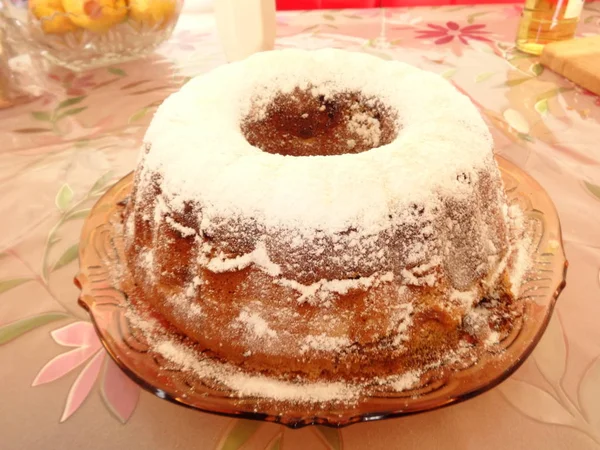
119	393
454	35
74	84
591	94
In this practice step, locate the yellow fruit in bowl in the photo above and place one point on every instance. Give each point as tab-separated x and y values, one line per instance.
95	15
52	16
152	12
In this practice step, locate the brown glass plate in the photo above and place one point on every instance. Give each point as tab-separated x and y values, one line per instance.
101	247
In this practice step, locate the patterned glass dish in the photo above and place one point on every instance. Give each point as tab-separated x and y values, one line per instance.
102	247
85	34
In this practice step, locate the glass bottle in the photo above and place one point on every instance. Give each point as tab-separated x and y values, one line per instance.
546	21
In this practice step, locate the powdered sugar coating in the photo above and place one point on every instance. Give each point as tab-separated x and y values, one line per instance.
318	293
257	326
255	385
213	163
258	257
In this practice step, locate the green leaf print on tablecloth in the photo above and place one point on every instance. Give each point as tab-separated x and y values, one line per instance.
70	210
42	115
484	76
331	436
70	112
471	17
81	214
6	285
118	392
117	71
13	330
537	69
31	130
138	115
542	106
551	352
70	254
101	184
448	73
276	443
589	394
70	101
536	403
54	116
64	197
240	432
237	434
594	189
555	406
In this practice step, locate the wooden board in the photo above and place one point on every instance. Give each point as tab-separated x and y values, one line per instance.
577	59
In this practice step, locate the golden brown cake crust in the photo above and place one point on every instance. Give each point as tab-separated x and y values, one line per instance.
361	333
321	297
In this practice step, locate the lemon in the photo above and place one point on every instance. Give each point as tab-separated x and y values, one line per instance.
52	16
95	15
152	12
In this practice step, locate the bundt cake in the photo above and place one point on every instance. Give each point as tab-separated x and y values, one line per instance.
323	214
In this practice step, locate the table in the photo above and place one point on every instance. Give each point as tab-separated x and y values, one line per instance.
59	388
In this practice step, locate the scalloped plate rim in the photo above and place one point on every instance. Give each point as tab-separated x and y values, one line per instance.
86	301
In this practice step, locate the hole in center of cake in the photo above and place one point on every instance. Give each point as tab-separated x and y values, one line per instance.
305	123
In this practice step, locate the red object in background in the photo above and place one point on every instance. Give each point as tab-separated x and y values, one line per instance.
326	4
340	4
391	3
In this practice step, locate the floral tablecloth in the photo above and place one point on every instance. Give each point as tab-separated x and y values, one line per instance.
60	390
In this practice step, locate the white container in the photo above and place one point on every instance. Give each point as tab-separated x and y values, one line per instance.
245	26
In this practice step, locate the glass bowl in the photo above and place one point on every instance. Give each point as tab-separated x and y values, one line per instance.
101	248
85	34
